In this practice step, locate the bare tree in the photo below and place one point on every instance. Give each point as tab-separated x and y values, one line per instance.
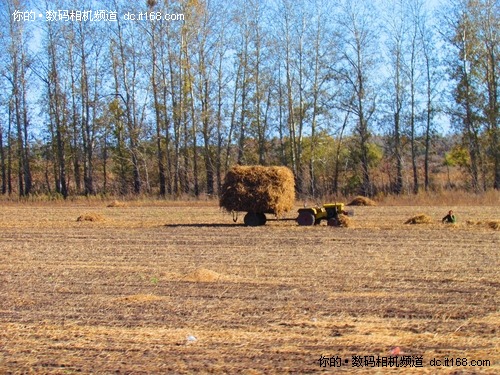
126	52
242	80
16	73
431	64
465	37
222	89
57	108
360	43
87	72
413	78
291	41
488	19
155	30
398	33
324	50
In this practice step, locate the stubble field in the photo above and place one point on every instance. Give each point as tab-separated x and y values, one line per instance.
179	288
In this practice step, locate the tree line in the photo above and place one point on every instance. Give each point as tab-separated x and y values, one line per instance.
353	96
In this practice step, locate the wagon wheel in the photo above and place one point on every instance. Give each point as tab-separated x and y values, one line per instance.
262	218
306	219
252	219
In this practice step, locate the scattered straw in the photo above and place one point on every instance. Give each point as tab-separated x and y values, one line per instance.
258	189
419	219
473	222
90	217
362	201
493	224
139	298
203	275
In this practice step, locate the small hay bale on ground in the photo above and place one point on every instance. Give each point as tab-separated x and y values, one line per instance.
116	203
362	201
494	224
343	221
90	217
419	219
203	275
258	189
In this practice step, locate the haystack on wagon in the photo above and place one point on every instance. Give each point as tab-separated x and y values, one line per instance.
258	190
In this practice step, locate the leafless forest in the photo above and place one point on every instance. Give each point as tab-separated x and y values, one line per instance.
354	96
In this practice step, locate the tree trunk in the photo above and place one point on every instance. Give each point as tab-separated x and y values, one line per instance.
336	171
2	163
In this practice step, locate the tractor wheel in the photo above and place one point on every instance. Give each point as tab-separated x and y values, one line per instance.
252	219
306	219
331	213
262	218
334	222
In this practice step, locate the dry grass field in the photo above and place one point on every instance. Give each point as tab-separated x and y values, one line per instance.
161	288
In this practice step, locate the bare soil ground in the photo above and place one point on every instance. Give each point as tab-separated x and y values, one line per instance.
180	288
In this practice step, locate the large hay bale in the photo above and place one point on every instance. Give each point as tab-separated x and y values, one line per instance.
258	189
362	201
419	219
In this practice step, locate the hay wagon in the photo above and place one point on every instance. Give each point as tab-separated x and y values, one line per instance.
258	190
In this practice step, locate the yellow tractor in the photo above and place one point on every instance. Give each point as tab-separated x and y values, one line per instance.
314	215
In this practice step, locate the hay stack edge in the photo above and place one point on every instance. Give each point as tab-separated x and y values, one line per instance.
258	189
